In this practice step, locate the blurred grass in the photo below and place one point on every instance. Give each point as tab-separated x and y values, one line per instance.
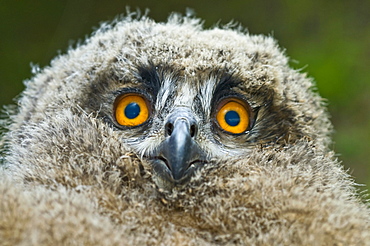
331	37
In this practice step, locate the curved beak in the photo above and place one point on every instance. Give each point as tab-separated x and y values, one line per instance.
179	154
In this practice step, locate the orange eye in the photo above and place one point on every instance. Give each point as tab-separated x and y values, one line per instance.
233	116
131	110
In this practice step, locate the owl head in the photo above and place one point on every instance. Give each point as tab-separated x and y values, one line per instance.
177	96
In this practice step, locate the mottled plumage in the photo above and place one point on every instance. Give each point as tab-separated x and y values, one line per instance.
74	174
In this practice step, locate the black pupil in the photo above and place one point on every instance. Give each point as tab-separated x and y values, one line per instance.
132	110
232	118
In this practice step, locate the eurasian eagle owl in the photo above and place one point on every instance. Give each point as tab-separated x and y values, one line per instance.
166	133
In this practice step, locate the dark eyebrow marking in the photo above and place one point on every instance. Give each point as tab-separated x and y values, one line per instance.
149	76
226	82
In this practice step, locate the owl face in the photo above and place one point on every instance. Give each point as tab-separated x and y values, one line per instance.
177	127
178	123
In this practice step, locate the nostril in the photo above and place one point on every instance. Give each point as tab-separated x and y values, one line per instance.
169	129
193	130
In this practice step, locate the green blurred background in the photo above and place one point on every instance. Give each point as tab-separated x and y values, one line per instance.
330	40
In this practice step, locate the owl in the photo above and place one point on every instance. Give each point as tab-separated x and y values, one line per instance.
170	134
